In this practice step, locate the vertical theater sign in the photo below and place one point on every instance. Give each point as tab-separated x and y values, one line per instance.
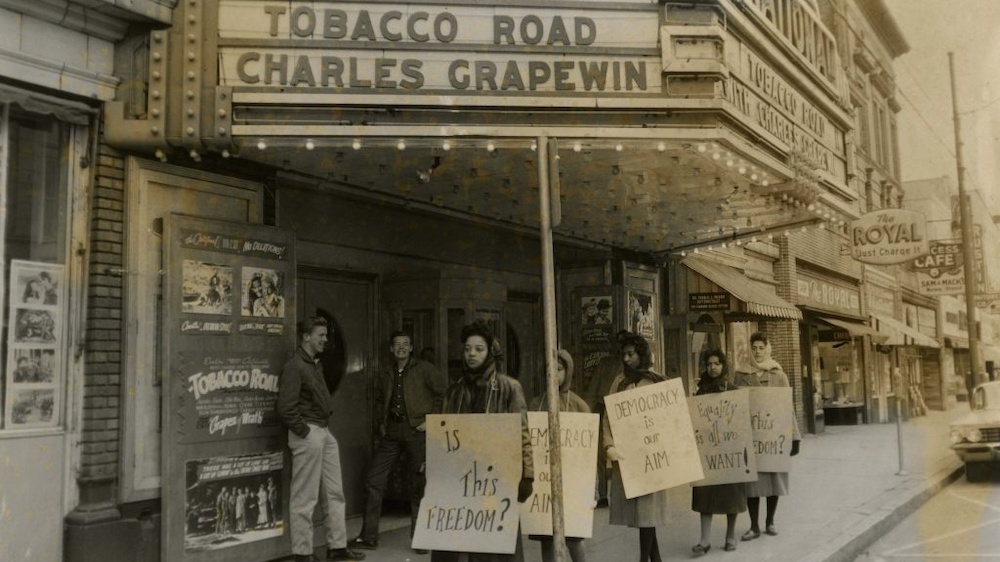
229	304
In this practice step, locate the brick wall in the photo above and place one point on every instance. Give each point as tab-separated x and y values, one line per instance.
786	348
103	360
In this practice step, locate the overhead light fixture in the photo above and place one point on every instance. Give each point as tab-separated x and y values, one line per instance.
424	176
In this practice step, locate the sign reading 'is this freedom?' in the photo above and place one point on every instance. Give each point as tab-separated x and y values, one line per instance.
579	439
772	423
653	435
889	236
721	425
473	469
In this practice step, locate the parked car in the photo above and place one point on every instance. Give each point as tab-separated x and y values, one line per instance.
975	437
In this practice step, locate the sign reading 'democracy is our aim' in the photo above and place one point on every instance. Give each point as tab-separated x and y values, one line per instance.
653	434
889	236
721	423
772	423
579	438
473	469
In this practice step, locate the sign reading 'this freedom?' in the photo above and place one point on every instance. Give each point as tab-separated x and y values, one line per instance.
473	469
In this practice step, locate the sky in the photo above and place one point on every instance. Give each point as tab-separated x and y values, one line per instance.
970	29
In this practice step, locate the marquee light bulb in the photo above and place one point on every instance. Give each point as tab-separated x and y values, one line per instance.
577	147
446	146
261	145
356	145
401	145
310	144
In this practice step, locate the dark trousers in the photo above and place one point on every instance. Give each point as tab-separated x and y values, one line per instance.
400	438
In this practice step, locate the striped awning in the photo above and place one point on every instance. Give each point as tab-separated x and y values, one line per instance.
857	329
901	334
757	297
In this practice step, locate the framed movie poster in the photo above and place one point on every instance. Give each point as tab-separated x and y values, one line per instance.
229	328
35	336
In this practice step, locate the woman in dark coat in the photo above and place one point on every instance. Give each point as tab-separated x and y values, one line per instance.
724	499
484	390
650	510
569	401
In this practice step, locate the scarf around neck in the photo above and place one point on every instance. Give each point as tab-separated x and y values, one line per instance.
634	376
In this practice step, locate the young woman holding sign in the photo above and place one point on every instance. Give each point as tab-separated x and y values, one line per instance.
724	499
568	402
764	371
484	390
650	510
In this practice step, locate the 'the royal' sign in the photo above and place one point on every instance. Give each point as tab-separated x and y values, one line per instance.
889	236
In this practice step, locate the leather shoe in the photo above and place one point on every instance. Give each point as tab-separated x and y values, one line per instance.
700	549
730	546
359	542
344	554
421	551
771	530
750	535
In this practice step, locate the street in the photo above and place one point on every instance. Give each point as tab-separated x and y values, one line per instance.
961	523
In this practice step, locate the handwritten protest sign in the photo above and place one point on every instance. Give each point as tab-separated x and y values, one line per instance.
721	425
473	469
579	439
653	434
771	420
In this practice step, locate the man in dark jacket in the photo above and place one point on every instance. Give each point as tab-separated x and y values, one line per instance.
304	406
407	391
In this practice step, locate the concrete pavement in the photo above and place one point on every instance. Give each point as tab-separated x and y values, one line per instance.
845	492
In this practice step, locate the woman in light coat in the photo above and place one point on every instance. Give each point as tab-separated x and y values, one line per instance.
762	370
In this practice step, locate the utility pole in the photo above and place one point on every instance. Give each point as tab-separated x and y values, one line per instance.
968	258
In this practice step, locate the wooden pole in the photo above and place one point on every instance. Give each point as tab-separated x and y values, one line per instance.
549	315
968	249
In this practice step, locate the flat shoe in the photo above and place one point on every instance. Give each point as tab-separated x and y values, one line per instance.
750	535
700	549
771	531
730	546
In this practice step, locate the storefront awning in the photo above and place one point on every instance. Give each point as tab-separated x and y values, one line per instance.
901	334
857	329
757	297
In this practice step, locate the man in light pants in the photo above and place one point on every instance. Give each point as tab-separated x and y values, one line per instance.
304	406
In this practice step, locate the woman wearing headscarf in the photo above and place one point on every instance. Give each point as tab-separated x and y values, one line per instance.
482	389
568	402
722	499
762	370
650	510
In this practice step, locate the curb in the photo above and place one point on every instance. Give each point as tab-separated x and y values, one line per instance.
876	525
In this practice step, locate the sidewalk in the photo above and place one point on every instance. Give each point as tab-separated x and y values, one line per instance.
845	494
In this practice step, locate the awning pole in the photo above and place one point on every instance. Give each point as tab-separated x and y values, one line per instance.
549	316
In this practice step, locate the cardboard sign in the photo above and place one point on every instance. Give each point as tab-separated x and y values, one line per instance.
772	423
580	439
721	425
473	469
652	430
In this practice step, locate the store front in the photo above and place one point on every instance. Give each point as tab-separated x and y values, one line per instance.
50	101
410	148
719	306
838	348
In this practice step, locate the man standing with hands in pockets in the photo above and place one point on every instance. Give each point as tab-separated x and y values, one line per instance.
305	406
407	391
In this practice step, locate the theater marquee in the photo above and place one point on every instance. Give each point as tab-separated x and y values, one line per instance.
394	48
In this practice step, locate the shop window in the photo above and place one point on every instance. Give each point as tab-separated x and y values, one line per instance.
35	179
